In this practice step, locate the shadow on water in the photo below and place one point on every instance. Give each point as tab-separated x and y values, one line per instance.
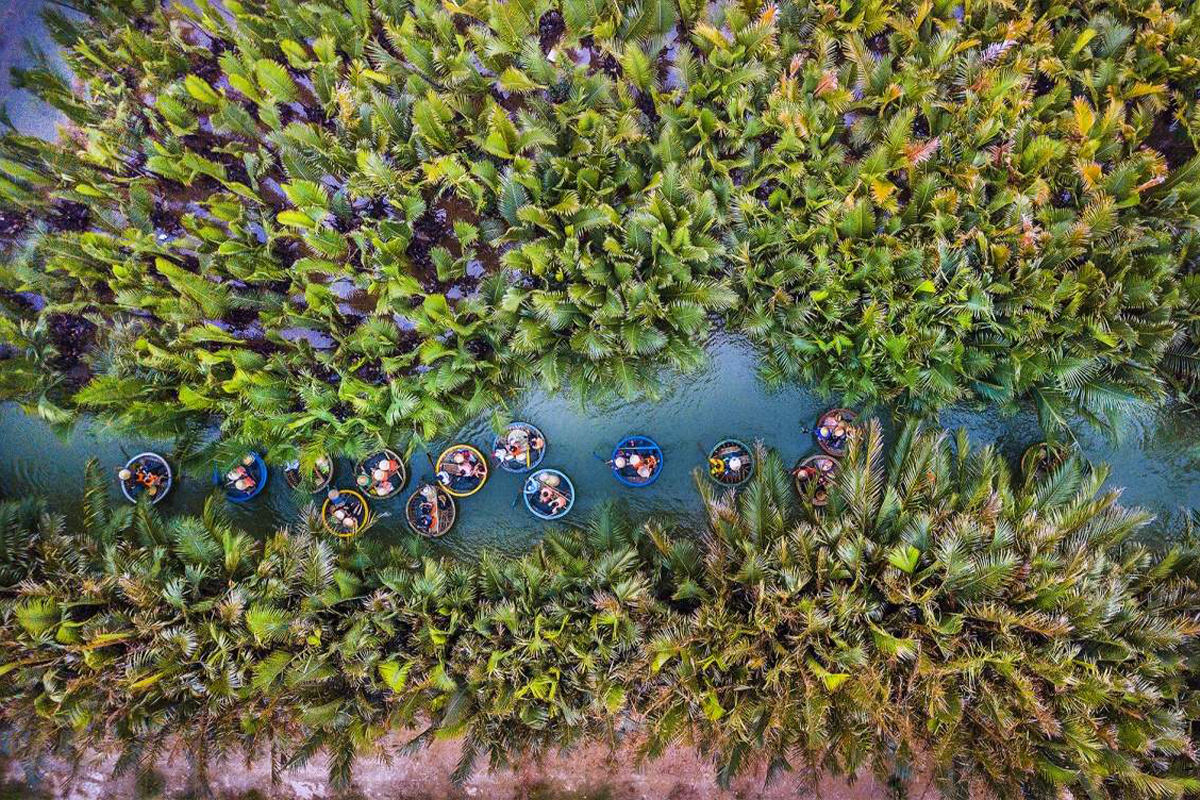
1157	459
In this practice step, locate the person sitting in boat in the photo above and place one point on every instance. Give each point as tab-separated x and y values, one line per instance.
805	473
239	478
833	431
516	444
557	503
735	465
716	467
646	468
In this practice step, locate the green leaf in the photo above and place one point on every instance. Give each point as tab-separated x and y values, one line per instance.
712	707
275	82
904	557
394	674
636	66
306	194
513	81
296	219
201	91
1082	40
37	615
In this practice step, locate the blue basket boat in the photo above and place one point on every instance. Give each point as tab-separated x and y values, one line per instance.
549	494
149	474
256	470
519	458
648	454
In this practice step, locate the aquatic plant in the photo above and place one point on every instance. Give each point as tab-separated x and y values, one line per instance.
1007	635
339	222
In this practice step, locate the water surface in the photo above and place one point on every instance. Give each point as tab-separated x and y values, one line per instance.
1157	460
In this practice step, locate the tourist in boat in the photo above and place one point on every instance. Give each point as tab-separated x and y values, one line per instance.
427	507
647	467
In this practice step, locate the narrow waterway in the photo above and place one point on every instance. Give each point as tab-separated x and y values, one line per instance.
1157	460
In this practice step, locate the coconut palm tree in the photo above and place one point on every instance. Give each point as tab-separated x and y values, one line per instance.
934	612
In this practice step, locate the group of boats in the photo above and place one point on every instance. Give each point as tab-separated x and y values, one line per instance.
461	470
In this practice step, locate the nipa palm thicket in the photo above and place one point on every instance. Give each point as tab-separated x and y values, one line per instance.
1006	636
329	221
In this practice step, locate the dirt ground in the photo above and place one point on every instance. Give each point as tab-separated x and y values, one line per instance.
589	774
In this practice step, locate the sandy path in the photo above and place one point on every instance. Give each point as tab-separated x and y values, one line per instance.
591	774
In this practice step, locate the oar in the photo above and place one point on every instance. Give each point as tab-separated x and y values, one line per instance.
521	492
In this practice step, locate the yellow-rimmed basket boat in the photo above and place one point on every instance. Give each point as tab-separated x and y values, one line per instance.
827	430
345	513
462	470
813	476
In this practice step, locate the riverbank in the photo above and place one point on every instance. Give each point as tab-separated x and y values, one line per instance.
591	773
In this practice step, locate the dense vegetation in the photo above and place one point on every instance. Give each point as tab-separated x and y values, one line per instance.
332	221
1006	633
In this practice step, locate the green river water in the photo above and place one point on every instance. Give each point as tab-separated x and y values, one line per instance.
1157	459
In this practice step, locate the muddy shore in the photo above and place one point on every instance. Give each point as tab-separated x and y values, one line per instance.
593	773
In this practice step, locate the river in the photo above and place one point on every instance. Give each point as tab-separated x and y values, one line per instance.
1157	459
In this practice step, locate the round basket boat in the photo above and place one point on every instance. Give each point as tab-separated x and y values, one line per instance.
516	448
430	516
730	463
322	471
345	513
462	470
549	494
148	474
381	475
251	473
813	476
637	461
830	422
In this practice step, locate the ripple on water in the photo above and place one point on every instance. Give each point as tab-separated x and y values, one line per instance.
1157	458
